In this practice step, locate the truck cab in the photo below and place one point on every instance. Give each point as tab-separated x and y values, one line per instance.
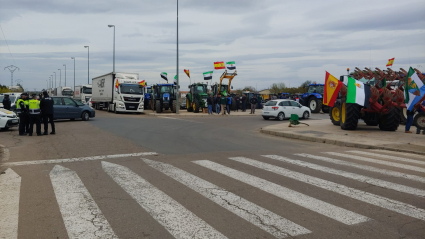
83	93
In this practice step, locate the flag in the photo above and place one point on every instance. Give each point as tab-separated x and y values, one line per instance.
231	65
390	62
208	75
219	65
358	93
117	84
332	87
175	80
142	83
187	72
164	76
414	89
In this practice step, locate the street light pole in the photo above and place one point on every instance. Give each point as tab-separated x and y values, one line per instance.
113	67
74	71
60	77
52	80
55	79
65	73
47	85
177	60
88	64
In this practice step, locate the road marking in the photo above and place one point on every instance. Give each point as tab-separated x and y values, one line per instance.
10	188
396	152
365	167
164	117
70	160
357	177
316	205
261	217
81	215
388	157
6	154
386	163
179	221
392	205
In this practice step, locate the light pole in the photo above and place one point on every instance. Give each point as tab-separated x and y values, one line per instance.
113	67
74	71
11	68
65	73
47	84
55	79
60	77
52	80
177	60
88	64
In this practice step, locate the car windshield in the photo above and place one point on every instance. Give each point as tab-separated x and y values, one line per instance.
67	92
166	89
200	89
86	90
131	89
271	103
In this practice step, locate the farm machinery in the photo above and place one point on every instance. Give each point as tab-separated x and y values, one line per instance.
196	99
313	98
163	97
223	89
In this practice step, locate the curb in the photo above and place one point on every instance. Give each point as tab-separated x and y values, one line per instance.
335	142
196	115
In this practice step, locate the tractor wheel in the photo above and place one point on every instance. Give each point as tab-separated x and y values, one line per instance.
390	121
371	119
233	105
158	106
196	106
335	113
152	105
349	116
174	106
188	106
325	109
315	105
419	121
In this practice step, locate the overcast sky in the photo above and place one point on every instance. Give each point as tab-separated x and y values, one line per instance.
271	41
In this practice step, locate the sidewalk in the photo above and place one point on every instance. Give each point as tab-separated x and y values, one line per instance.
184	113
367	137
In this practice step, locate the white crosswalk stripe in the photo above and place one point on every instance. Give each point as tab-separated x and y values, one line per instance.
179	221
262	218
371	160
392	205
407	160
80	213
316	205
413	155
10	187
365	167
358	177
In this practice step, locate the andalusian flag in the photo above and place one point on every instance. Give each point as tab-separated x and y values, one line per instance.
219	65
164	76
187	72
414	89
390	62
208	75
358	93
332	87
142	83
231	65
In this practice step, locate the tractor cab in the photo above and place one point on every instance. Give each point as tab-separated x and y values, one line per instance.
224	89
316	88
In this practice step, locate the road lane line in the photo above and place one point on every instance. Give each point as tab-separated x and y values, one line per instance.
70	160
10	188
397	152
388	157
81	215
164	117
383	202
313	204
357	177
268	221
6	154
365	167
179	221
386	163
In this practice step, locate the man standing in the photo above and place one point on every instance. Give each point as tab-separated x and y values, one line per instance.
229	103
223	104
22	110
243	103
253	102
6	102
209	104
27	116
34	113
237	99
46	106
217	104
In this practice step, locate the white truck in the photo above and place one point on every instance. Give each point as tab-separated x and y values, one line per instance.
83	93
119	92
63	91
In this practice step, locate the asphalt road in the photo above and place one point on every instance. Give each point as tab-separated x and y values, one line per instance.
137	176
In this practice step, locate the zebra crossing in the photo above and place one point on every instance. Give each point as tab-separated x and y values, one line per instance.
83	217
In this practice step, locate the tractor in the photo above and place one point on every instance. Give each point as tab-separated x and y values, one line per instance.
313	99
164	97
224	89
196	99
148	97
249	96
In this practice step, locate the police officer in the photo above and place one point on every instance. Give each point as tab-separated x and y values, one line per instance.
27	116
34	115
22	110
46	106
6	102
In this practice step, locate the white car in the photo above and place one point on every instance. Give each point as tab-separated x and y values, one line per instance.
282	109
8	119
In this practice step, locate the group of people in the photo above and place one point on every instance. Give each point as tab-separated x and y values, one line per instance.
222	103
33	111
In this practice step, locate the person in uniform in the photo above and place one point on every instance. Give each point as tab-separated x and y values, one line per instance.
6	102
27	116
46	106
34	115
22	110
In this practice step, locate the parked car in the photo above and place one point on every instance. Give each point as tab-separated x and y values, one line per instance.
8	119
67	108
283	108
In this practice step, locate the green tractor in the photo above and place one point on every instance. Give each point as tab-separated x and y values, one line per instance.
196	99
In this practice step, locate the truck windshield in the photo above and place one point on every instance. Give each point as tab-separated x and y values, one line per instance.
131	89
200	89
67	92
86	90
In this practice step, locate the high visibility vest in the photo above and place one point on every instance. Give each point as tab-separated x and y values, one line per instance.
34	106
18	106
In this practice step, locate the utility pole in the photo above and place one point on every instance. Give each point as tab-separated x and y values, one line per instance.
12	69
177	60
65	73
113	66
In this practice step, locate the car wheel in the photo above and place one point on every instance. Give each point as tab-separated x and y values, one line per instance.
266	117
85	116
306	115
281	116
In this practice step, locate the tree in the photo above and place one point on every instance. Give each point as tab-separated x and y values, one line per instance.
277	88
248	88
306	83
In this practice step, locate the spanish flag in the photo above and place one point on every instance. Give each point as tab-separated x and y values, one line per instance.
219	65
390	62
187	72
117	84
142	83
332	87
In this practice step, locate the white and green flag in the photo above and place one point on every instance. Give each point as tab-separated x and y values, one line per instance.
231	65
414	89
208	75
164	76
358	92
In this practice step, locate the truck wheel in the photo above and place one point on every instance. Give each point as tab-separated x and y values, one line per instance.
371	119
349	116
188	106
390	121
335	113
174	106
158	106
419	121
196	106
325	109
315	105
